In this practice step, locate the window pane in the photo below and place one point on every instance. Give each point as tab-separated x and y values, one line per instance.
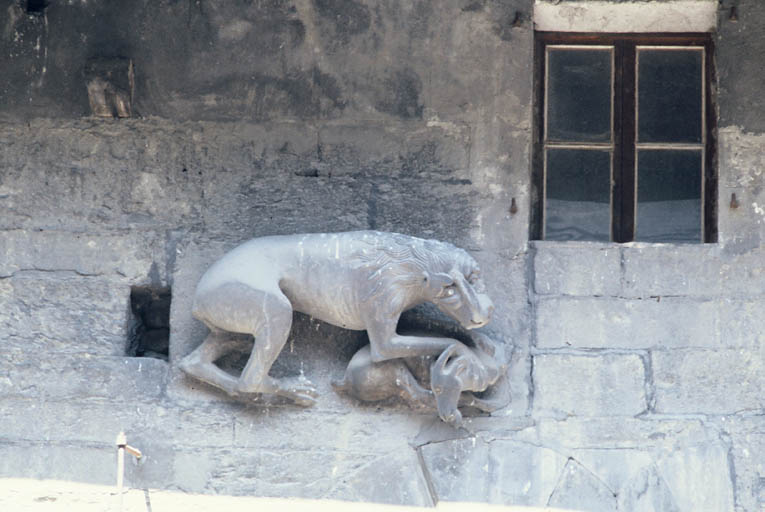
579	95
669	196
578	195
669	95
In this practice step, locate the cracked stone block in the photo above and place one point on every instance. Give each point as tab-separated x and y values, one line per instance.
700	381
633	477
403	483
500	472
580	269
588	385
129	256
622	323
579	489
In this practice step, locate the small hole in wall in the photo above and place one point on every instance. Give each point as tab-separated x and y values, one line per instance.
149	325
36	6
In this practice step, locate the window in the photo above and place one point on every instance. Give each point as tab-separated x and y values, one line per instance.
624	149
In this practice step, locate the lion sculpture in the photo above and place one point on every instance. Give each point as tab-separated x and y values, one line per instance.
361	280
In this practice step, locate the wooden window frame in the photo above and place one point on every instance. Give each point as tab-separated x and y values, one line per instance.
624	126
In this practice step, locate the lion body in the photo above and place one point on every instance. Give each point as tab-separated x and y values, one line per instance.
331	277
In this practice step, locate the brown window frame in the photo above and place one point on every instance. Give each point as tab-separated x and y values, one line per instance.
624	144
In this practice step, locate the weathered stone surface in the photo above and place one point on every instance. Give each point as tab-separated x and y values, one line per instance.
747	459
623	433
739	99
580	489
82	176
404	481
577	269
312	473
63	312
503	472
741	228
191	259
632	476
743	274
65	376
699	476
631	324
699	381
652	477
128	255
94	463
666	269
588	385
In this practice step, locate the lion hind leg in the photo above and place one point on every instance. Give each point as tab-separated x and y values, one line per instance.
267	316
271	321
200	363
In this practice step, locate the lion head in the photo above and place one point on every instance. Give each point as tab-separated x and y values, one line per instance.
407	270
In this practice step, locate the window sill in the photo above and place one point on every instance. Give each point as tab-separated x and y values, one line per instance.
581	244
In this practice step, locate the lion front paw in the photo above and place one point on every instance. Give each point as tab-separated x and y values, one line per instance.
299	390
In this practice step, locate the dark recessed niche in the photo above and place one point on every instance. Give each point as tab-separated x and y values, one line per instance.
149	324
36	6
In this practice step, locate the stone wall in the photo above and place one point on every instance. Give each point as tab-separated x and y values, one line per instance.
637	372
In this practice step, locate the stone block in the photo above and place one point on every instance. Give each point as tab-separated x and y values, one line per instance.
628	323
579	489
95	463
588	385
43	312
298	474
404	482
743	275
192	259
81	420
581	269
741	155
670	475
75	376
283	203
501	472
723	381
699	477
655	270
347	149
747	456
740	323
89	175
614	433
129	256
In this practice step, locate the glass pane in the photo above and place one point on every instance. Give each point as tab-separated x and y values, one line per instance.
578	195
669	95
579	95
669	196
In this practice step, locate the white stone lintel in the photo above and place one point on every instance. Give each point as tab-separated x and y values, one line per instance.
641	16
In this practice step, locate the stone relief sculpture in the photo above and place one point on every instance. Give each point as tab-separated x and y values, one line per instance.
360	280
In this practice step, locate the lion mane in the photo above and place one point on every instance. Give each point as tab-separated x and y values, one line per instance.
398	263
